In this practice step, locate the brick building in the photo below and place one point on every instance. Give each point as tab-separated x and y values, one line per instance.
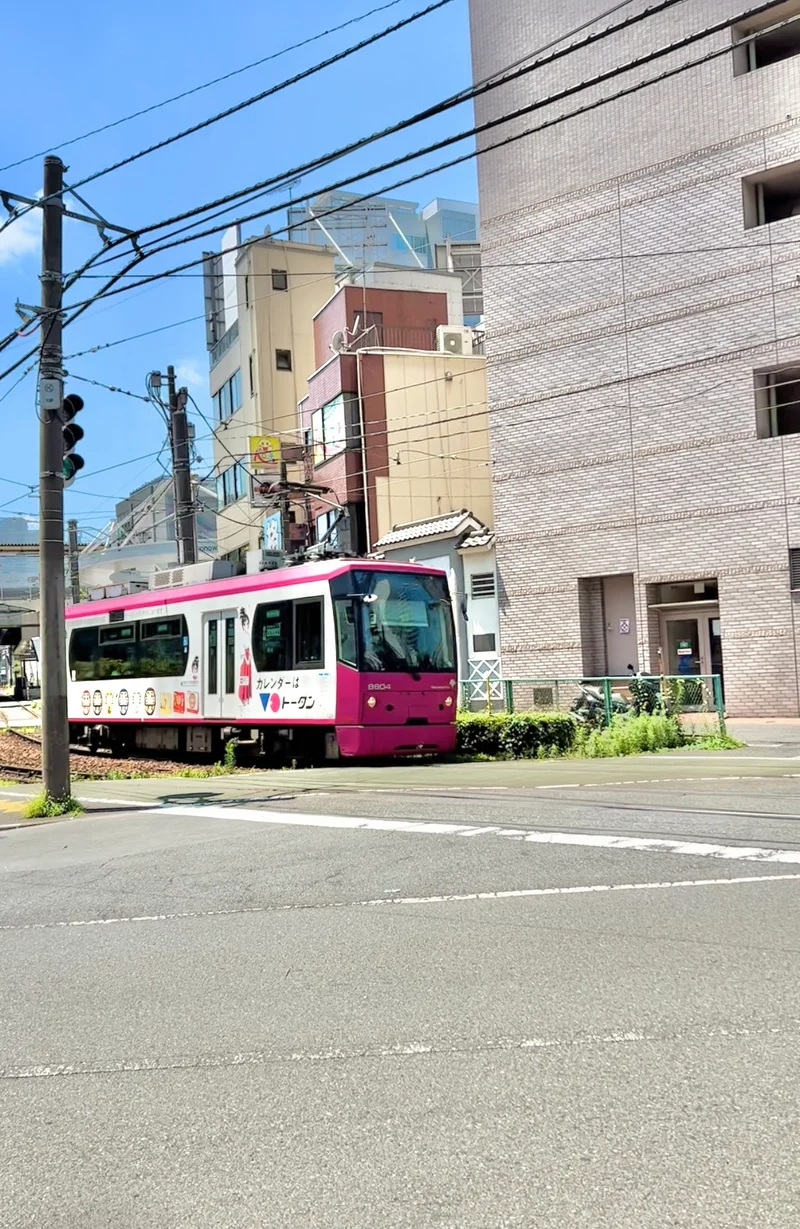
395	424
643	351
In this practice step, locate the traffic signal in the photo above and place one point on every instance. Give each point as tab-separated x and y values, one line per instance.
72	433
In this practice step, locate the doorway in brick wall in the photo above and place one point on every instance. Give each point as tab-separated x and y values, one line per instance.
691	640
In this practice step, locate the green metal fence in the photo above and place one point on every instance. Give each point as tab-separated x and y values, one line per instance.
681	694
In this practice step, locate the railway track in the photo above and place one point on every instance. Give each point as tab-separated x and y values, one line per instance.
13	772
74	748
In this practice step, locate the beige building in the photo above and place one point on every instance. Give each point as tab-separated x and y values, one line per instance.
437	438
641	266
260	305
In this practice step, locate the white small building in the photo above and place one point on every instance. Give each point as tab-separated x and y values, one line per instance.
463	547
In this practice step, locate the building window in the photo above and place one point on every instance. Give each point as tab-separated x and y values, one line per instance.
770	46
772	195
482	584
327	523
777	402
246	290
280	279
252	376
231	485
329	430
228	399
794	568
283	360
484	643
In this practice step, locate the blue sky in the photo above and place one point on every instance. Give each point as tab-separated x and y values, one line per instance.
111	62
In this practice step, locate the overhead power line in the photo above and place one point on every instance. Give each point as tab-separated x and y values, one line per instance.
196	89
108	290
439	108
268	93
513	137
452	101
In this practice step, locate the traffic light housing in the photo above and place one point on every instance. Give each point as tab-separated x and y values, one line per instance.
72	433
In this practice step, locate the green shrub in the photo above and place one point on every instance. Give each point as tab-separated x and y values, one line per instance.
515	736
630	734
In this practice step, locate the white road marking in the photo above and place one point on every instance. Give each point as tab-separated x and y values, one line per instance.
600	840
454	898
86	799
407	1049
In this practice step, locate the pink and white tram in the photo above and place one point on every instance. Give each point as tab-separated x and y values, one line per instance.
346	657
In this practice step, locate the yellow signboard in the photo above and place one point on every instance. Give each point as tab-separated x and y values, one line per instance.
265	453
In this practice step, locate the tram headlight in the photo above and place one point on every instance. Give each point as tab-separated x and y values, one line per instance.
371	701
448	701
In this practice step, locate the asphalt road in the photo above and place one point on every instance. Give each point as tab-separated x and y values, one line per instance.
449	1008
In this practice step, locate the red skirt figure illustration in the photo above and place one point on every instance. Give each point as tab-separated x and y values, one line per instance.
245	678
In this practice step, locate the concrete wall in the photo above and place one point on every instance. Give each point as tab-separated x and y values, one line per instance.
628	308
437	427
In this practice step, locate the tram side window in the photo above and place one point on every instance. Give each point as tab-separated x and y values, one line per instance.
163	647
83	652
308	635
117	656
272	637
156	648
288	636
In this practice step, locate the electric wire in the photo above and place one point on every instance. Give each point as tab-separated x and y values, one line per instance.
156	106
462	96
108	289
387	188
337	58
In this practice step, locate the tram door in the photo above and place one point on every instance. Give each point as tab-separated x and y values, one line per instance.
220	677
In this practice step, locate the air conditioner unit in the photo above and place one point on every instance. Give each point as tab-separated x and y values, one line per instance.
453	339
193	574
272	559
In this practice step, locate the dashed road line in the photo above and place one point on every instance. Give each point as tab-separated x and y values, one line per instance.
591	889
401	1050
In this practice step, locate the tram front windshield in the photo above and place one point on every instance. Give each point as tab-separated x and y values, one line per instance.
394	622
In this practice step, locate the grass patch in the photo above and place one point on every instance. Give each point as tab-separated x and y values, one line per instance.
45	807
715	740
631	734
546	736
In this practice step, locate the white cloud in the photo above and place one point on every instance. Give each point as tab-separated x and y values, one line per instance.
21	238
192	373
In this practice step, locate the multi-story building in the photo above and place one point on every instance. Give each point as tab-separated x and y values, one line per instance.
19	581
260	304
148	515
641	269
395	415
396	425
385	231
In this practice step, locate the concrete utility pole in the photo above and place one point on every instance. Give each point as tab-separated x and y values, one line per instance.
185	520
74	565
55	727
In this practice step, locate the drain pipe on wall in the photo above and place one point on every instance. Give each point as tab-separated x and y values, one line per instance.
363	427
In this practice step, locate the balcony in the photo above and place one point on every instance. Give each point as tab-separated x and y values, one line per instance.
224	344
394	337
